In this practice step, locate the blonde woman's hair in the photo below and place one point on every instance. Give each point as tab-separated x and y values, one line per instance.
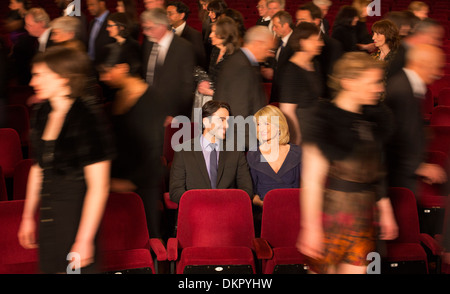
350	66
270	111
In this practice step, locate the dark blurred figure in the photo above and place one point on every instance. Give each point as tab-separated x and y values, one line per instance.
68	184
363	37
332	48
67	10
301	84
37	23
120	29
344	28
263	12
282	27
3	81
214	9
324	6
178	14
168	64
405	92
404	20
419	9
23	45
98	36
343	179
65	31
428	32
129	8
138	129
238	18
225	39
239	83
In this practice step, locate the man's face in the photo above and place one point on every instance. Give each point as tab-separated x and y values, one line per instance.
95	7
175	18
154	32
150	4
303	16
273	8
216	125
280	29
33	28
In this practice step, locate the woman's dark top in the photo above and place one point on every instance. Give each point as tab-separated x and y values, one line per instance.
266	179
84	139
215	65
139	138
347	35
353	143
300	86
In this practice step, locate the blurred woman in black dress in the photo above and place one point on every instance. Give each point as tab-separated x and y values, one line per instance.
72	148
301	83
139	131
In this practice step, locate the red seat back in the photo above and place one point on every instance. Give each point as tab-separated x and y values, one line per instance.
215	218
10	151
281	217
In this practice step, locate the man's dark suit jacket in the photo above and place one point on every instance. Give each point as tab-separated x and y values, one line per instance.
331	52
406	149
189	171
174	80
102	39
285	54
241	85
196	39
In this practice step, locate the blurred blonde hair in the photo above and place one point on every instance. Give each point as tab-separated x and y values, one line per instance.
270	111
350	66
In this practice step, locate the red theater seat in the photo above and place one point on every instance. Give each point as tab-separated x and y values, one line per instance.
215	233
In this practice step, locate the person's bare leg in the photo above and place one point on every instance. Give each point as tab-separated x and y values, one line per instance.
346	268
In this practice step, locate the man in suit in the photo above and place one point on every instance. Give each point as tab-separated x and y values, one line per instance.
332	49
324	6
37	23
264	18
67	10
201	165
404	95
168	64
239	83
98	36
282	27
178	13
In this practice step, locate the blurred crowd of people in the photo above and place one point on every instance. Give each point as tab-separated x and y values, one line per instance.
343	117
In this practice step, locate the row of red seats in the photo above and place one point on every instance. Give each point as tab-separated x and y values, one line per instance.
216	235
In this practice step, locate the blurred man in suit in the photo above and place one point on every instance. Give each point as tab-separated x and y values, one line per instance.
37	23
67	10
264	18
205	163
405	92
239	82
168	64
98	36
282	27
178	13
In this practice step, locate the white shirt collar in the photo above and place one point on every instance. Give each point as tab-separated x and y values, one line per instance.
43	39
164	45
179	30
417	84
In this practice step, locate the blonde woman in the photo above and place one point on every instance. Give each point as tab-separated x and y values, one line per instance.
343	174
275	163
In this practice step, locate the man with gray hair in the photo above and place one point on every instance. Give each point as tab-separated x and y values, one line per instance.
239	83
37	23
324	6
168	64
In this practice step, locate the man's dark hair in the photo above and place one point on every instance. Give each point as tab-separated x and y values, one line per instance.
313	9
181	8
210	107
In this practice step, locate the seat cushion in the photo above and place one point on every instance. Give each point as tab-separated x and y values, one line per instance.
283	256
405	252
215	256
126	259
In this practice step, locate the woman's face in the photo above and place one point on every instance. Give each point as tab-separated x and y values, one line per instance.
379	39
112	76
215	40
312	45
267	130
212	15
368	86
113	29
47	84
14	5
120	7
